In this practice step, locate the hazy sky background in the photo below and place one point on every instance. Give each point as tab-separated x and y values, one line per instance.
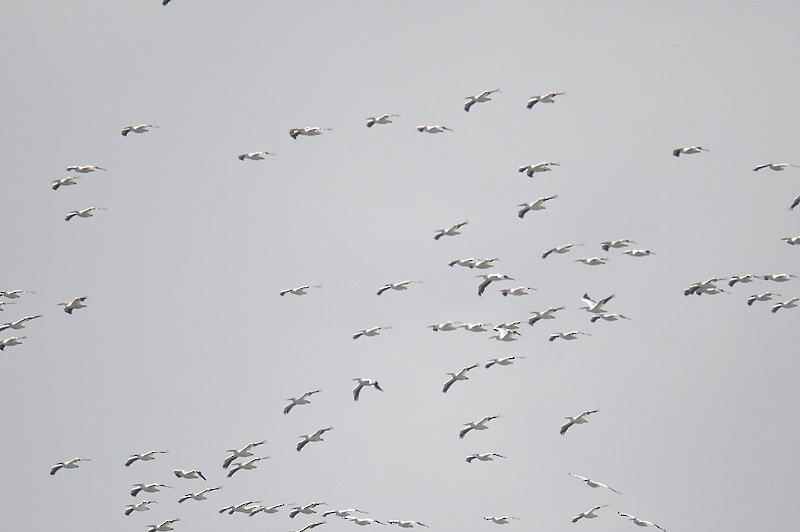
186	346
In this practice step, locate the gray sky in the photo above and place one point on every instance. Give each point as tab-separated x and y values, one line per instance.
186	346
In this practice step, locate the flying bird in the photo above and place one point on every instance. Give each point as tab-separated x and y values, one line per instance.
19	324
505	335
141	506
306	509
305	438
476	425
267	509
572	335
165	526
406	524
364	382
589	514
621	243
64	182
433	129
779	277
593	483
484	264
606	316
503	361
402	285
592	261
362	521
200	495
559	249
548	314
84	169
372	331
299	291
518	291
302	400
148	488
343	513
577	420
480	98
190	474
638	252
69	464
483	457
489	278
307	131
765	296
544	98
255	156
445	326
791	303
688	150
145	457
12	341
778	167
246	507
141	128
73	304
595	307
792	240
88	212
504	520
244	452
639	522
247	466
310	526
14	294
748	278
531	169
453	230
383	119
795	203
460	375
537	205
510	325
475	327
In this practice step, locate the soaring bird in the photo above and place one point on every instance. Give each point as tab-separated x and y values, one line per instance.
165	526
69	464
475	327
248	465
510	325
14	294
748	278
638	252
577	420
572	335
504	520
589	514
64	182
302	400
779	277
267	509
688	150
149	455
476	425
483	457
255	156
795	203
148	488
246	507
362	521
445	326
19	324
778	167
608	316
489	278
406	524
200	495
364	382
594	484
244	452
88	212
537	205
559	249
141	128
765	296
467	263
190	474
531	169
592	261
549	314
620	243
792	240
141	506
460	375
544	98
383	119
307	131
310	526
73	304
505	335
480	98
703	287
12	341
402	285
305	438
453	230
517	291
372	331
595	307
639	522
84	169
502	361
299	291
343	513
306	509
433	129
484	264
791	303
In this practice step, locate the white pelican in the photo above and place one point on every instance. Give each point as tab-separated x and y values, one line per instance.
589	514
595	307
606	316
594	484
537	205
82	213
74	304
592	261
577	420
572	335
544	98
792	240
14	294
248	465
307	509
299	291
475	327
145	457
310	526
638	252
766	296
307	131
69	464
445	326
84	169
255	156
795	203
165	526
141	128
778	167
433	129
19	324
244	452
461	375
484	264
190	474
482	97
510	325
14	340
549	314
406	524
383	119
502	361
791	303
483	457
742	279
505	335
504	520
702	287
476	425
343	513
364	382
372	331
559	249
245	507
453	230
200	495
779	277
302	400
64	182
362	521
639	522
517	291
621	243
149	488
305	439
141	506
267	509
489	278
402	285
467	263
688	150
531	169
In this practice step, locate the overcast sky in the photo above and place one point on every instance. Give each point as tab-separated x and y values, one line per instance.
186	346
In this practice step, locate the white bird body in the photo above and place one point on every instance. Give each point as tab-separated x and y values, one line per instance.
460	375
594	484
549	314
791	303
453	230
777	167
480	98
748	278
402	285
88	212
310	526
73	304
383	119
510	325
530	169
484	264
795	203
69	464
302	400
190	474
299	291
164	526
148	488
244	452
779	277
200	495
141	128
475	327
489	278
362	521
145	457
14	294
64	182
476	425
141	506
765	296
592	261
505	335
559	249
483	457
406	524
372	331
246	507
504	520
577	420
589	514
544	98
317	436
639	522
620	243
19	324
503	361
307	131
364	382
445	326
343	513
572	335
792	240
638	252
517	291
688	150
606	316
703	287
307	509
255	156
595	307
267	509
433	129
12	341
247	466
84	169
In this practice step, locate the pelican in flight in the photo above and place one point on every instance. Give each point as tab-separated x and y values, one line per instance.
246	507
461	375
518	291
742	279
453	230
148	488
372	331
795	203
307	131
310	526
778	167
248	465
559	249
510	325
480	98
305	439
12	341
141	506
145	457
489	278
165	526
484	264
299	291
307	509
14	294
537	205
703	287
244	452
544	98
141	128
302	400
267	509
505	335
592	261
483	457
589	514
19	324
467	263
766	296
190	474
343	513
792	240
200	495
402	285
73	304
383	119
504	520
595	307
638	252
502	361
639	522
69	464
406	524
621	243
445	326
531	169
577	420
88	212
64	182
688	150
433	129
255	156
594	484
779	277
476	425
362	521
572	335
791	303
364	382
607	316
549	314
84	169
475	327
